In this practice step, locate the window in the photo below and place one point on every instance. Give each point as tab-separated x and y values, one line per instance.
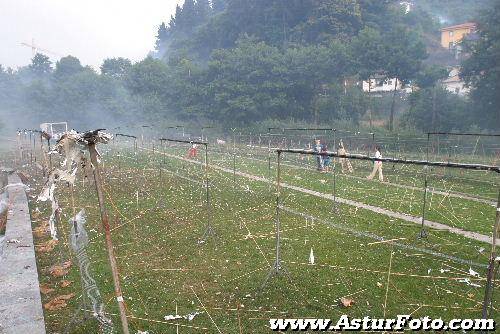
451	33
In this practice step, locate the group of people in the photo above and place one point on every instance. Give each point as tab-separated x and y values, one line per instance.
323	160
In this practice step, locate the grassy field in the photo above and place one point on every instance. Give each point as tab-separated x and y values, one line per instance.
159	215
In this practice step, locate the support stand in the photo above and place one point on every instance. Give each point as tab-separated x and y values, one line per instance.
277	269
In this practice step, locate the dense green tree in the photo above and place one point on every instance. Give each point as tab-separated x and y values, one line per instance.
482	70
116	67
162	36
340	19
67	66
40	65
427	80
404	54
219	5
203	10
452	111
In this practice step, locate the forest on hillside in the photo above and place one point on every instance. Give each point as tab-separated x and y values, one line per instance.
242	62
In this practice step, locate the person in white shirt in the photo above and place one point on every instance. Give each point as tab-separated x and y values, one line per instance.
377	166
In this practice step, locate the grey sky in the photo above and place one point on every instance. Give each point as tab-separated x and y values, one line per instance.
91	30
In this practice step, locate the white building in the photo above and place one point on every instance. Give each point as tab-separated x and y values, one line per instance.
407	6
382	85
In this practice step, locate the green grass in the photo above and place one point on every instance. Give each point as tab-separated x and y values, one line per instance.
162	265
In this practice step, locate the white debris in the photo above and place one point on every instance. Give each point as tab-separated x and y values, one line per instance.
188	317
473	273
221	142
468	282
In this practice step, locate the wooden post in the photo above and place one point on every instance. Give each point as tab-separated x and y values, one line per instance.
109	242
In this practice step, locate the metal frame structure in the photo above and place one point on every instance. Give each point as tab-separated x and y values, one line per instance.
275	270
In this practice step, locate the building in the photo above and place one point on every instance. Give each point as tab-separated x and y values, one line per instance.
407	6
455	84
383	85
452	36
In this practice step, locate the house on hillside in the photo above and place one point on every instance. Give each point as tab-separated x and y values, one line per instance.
455	84
453	35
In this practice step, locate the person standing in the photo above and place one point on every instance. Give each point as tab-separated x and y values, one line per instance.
344	162
193	151
377	166
319	159
326	158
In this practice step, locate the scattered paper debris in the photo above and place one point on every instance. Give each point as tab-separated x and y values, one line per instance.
188	317
45	288
58	302
473	273
468	282
65	283
346	302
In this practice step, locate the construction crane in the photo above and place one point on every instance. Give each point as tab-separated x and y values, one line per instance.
35	49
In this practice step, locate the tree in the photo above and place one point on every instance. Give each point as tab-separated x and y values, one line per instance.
163	35
187	20
203	10
116	67
404	52
67	66
219	5
452	111
482	70
427	80
340	19
41	65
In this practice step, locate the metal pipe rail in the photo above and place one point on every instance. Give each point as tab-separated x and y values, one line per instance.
124	135
393	160
184	141
463	134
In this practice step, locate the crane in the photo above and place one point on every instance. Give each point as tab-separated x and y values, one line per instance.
36	49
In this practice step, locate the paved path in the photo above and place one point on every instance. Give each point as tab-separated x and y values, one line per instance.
20	301
405	217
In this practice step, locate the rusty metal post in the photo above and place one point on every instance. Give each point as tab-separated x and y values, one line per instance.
491	269
109	242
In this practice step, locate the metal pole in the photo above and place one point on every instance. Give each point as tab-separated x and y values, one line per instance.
269	154
209	230
491	272
423	232
234	158
109	242
278	233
